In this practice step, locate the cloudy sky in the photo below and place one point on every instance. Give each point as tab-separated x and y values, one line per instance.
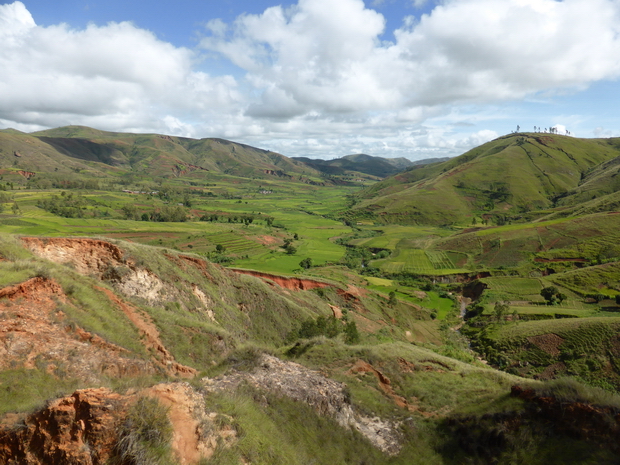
316	78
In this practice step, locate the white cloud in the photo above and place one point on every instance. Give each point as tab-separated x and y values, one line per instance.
325	56
114	75
316	77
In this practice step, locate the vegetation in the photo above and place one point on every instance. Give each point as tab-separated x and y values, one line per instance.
146	434
428	294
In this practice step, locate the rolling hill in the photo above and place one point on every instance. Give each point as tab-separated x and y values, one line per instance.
91	152
360	163
510	176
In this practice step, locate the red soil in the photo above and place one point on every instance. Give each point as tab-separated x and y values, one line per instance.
293	284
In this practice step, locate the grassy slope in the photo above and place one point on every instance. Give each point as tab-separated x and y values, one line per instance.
514	173
150	154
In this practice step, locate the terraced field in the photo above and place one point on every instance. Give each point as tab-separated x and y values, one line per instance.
233	243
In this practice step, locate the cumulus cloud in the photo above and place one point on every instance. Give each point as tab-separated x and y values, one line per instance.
324	56
112	76
316	77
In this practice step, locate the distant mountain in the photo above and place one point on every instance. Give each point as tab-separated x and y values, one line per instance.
511	175
362	163
91	151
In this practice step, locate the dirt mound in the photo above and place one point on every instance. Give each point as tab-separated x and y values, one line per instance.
34	333
324	395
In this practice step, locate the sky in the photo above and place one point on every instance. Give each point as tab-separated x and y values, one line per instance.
315	78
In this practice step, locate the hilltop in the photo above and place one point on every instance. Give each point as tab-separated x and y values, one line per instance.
510	176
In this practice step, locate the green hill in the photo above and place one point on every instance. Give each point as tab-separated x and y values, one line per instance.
511	175
359	163
99	153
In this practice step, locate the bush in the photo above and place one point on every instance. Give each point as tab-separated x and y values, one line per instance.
328	327
145	435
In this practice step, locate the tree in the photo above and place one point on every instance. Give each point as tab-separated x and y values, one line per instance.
618	299
550	294
129	210
290	250
219	248
393	301
306	263
501	309
351	334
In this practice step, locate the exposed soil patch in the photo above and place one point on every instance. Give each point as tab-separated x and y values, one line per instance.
268	240
82	429
548	343
361	367
294	284
196	262
384	382
196	433
87	256
102	259
78	429
34	334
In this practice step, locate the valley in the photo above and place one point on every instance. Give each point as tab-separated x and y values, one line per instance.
299	312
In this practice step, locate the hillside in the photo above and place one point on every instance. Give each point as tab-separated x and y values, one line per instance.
510	176
360	163
111	323
94	153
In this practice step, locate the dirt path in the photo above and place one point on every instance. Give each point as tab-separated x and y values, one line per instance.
151	337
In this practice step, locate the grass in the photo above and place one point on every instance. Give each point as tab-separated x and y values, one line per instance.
280	430
145	436
24	390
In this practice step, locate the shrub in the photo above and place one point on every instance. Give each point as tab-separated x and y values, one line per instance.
144	438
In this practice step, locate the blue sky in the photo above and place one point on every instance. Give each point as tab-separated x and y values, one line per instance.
316	78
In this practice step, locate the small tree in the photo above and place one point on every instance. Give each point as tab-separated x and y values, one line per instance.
351	334
393	301
501	309
550	294
219	248
306	263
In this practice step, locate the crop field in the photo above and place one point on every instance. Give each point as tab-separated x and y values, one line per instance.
587	329
300	210
233	243
391	236
523	287
418	261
